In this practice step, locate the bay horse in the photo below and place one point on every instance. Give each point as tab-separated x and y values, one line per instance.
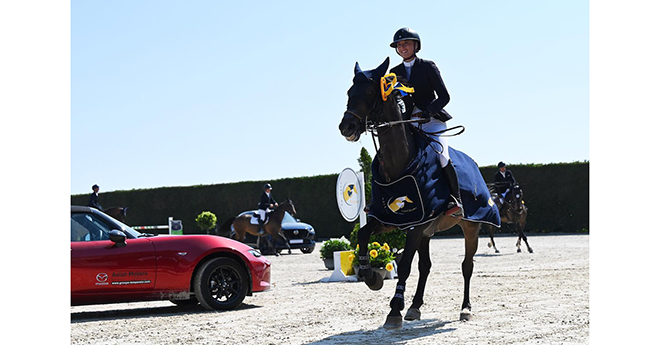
273	227
397	148
118	213
512	211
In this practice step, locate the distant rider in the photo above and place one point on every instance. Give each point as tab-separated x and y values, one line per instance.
94	198
265	203
504	180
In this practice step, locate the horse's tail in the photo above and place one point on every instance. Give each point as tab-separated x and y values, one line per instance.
225	229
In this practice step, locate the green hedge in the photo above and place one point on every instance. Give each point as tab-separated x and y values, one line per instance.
557	196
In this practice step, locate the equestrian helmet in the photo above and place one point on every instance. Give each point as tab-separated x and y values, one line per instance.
268	186
406	34
501	165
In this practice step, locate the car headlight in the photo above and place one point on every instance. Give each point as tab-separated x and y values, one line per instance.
255	253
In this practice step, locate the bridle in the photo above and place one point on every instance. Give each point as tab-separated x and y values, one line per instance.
388	84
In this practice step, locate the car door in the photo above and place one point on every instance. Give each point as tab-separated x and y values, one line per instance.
98	265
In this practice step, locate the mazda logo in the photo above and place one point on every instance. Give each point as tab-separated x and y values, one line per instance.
102	277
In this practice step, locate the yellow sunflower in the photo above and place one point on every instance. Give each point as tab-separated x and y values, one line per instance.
373	253
389	267
386	247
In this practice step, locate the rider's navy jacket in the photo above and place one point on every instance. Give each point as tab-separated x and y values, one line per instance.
265	201
508	177
94	202
425	78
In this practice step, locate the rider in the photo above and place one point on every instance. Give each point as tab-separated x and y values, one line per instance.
94	198
265	203
504	180
428	102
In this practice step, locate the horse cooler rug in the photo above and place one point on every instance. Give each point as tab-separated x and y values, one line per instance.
422	194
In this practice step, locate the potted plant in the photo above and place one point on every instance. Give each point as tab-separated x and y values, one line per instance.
329	247
206	221
380	258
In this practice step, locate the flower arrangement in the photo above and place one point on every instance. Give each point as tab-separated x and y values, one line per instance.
396	239
380	256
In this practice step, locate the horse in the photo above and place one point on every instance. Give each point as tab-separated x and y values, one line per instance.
512	211
397	147
118	213
273	227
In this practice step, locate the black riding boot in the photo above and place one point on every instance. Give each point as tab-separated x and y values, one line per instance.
455	206
261	227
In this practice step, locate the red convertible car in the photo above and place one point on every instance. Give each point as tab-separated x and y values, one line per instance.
111	263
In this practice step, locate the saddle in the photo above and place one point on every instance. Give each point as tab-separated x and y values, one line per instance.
255	217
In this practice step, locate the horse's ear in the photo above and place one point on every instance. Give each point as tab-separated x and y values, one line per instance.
357	68
382	69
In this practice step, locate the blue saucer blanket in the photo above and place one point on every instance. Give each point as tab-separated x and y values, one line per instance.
422	194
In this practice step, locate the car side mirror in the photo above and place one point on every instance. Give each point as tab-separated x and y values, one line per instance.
118	237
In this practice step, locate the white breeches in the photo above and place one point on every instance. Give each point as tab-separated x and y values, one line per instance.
262	214
433	126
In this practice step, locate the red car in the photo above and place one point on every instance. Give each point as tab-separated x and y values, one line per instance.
111	263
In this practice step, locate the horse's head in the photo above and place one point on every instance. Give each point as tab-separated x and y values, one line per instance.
288	206
516	197
364	98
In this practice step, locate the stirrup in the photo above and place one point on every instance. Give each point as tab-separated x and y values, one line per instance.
455	209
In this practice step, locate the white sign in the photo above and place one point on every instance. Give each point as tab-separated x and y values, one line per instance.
349	194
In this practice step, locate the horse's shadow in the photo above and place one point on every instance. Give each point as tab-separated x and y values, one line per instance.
90	316
411	330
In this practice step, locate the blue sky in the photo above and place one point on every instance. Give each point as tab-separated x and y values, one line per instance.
171	93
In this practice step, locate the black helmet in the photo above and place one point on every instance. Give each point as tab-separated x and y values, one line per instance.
267	186
95	186
406	34
501	165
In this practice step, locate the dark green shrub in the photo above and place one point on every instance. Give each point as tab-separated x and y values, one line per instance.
331	246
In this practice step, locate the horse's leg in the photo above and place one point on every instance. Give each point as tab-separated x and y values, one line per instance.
471	233
491	230
285	241
373	281
394	319
521	234
424	266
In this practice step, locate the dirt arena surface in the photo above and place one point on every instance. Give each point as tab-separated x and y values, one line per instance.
517	298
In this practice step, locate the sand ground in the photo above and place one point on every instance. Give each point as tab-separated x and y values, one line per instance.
517	298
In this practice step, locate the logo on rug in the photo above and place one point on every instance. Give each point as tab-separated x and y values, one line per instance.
398	204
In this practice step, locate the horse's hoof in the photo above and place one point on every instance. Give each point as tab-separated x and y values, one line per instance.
375	282
466	315
519	250
413	314
289	251
393	322
530	250
497	251
489	245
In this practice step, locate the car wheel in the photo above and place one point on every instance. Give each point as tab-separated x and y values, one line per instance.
307	250
221	284
185	302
